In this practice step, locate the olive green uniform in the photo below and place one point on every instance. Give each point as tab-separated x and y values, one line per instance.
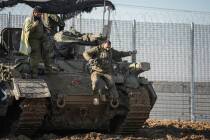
104	68
39	44
52	21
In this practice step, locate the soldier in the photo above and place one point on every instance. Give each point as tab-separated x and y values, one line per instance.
51	22
102	57
34	40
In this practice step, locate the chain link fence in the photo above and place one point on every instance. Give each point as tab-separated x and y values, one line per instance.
179	56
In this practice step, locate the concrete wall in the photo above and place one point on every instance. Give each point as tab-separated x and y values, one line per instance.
174	100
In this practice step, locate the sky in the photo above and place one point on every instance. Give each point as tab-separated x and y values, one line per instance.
183	11
194	5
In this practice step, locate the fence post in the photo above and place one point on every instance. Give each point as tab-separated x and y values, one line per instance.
192	85
134	40
9	20
104	13
80	22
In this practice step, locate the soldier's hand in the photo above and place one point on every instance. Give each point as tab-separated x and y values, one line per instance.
93	62
36	23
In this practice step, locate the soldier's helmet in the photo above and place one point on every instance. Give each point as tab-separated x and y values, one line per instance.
107	42
38	9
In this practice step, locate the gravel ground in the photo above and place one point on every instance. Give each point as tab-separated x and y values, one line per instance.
153	129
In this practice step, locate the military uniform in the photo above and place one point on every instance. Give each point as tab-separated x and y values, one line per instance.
52	21
34	41
103	69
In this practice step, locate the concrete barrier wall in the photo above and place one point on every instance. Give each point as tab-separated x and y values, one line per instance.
174	101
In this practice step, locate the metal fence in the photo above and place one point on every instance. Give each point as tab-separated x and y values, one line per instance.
179	55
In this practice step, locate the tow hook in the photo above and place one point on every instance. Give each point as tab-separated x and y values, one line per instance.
114	103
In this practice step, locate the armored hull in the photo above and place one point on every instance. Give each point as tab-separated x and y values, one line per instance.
64	101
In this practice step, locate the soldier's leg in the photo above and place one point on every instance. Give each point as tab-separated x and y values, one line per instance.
35	57
98	85
51	42
46	51
94	79
111	85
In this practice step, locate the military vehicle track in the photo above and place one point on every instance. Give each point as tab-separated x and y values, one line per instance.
31	116
139	109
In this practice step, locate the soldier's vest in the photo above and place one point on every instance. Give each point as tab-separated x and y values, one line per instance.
105	60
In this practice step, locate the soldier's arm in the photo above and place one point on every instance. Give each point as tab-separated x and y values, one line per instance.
30	26
57	19
89	54
121	53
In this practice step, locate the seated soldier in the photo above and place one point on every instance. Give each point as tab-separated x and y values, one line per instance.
101	57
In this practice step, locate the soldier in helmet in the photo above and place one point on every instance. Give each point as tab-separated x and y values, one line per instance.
34	41
102	58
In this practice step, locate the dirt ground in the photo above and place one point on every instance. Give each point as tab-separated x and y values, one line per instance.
153	129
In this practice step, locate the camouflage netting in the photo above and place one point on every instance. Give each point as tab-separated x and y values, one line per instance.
67	7
73	36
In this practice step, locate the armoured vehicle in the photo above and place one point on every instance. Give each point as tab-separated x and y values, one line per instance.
63	100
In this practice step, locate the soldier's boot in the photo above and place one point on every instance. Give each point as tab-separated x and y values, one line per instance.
52	68
102	95
41	69
55	68
95	99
